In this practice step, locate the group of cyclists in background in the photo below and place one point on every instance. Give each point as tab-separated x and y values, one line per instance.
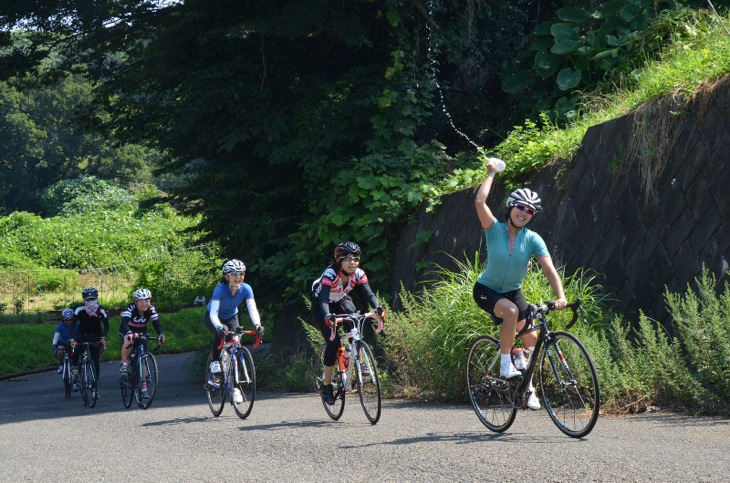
510	247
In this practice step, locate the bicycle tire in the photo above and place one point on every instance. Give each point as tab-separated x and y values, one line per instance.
569	385
490	395
127	383
216	395
334	411
67	383
368	382
88	388
147	363
244	378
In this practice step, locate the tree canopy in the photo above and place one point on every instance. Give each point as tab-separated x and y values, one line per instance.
295	125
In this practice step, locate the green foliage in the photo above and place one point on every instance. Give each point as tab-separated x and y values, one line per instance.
97	237
41	142
85	194
586	46
700	317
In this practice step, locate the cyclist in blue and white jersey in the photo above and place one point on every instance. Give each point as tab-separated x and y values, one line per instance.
510	247
221	315
64	333
331	296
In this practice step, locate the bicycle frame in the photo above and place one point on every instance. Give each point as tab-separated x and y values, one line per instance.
353	337
232	347
544	336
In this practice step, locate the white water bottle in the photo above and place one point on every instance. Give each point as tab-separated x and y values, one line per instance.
215	367
498	164
518	359
225	359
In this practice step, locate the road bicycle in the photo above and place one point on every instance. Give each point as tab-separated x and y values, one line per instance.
140	382
67	373
237	377
567	378
365	381
87	374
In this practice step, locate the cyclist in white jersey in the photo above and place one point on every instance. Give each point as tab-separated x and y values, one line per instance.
510	247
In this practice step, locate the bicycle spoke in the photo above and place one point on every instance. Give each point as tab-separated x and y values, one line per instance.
490	395
244	379
148	381
368	383
569	385
334	411
215	390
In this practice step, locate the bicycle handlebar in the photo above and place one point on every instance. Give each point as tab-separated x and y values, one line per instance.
576	307
240	331
356	317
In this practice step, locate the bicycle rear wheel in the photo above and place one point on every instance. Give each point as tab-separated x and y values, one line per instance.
334	411
67	383
216	395
88	384
491	396
368	382
148	374
569	385
244	378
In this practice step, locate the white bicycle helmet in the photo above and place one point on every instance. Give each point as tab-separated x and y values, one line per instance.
142	294
526	197
234	266
67	314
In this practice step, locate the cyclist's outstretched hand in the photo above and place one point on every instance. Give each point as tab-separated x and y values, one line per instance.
260	330
161	339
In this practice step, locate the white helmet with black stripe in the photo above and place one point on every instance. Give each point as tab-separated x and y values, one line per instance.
526	197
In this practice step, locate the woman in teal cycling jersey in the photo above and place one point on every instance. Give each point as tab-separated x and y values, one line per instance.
510	247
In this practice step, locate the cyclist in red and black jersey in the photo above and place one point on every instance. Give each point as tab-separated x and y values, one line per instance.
92	324
331	296
134	319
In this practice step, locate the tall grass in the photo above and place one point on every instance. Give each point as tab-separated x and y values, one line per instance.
427	343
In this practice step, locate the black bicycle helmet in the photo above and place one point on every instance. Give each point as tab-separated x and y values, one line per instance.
346	248
526	197
90	293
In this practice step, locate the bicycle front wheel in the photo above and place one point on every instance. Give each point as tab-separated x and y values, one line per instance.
67	383
215	389
88	385
244	379
491	396
569	385
335	410
145	391
368	382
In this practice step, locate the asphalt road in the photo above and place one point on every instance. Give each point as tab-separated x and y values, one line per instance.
288	437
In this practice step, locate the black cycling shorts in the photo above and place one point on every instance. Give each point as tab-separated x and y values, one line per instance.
486	299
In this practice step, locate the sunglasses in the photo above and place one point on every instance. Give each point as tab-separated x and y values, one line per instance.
524	208
350	258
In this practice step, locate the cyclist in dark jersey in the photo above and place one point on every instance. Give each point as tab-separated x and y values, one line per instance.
331	296
92	324
510	247
134	319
